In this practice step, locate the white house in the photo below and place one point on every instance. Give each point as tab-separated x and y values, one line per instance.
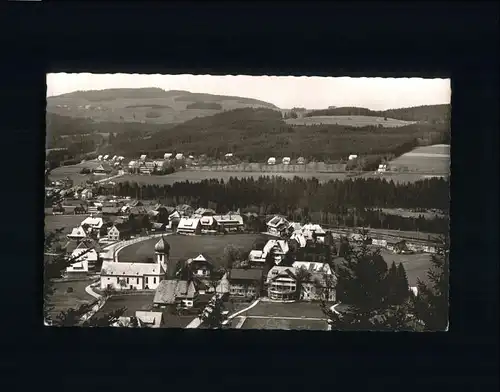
281	284
257	256
382	243
382	168
77	233
313	267
231	222
278	247
179	156
309	229
85	257
301	161
208	224
271	161
286	160
229	155
105	157
167	155
99	158
143	157
189	226
352	156
277	225
139	276
86	194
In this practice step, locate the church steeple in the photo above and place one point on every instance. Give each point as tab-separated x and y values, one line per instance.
162	251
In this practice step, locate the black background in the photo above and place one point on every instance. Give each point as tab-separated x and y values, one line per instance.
431	39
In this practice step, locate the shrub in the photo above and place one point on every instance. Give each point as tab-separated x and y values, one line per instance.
69	290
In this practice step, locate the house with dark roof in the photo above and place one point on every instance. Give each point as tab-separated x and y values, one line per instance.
246	283
201	266
120	232
175	292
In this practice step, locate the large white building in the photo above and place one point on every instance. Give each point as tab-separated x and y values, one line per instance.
139	276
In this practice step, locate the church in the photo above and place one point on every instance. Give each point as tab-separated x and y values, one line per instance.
137	276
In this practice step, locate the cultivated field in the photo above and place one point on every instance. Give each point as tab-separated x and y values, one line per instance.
62	300
187	246
354	121
427	159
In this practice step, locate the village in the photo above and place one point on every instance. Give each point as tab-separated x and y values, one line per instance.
289	266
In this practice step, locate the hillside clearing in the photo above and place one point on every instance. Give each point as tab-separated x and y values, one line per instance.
354	121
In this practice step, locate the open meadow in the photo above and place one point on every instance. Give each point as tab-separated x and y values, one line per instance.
188	246
54	222
353	121
63	300
426	159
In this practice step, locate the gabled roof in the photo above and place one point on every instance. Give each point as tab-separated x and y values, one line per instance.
202	258
229	219
277	221
93	221
188	223
207	220
77	232
112	268
245	274
278	271
153	319
279	245
313	267
169	290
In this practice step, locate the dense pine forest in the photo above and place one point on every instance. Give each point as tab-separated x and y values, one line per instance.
344	203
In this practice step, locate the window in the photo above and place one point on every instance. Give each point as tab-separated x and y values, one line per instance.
147	281
154	280
128	280
117	280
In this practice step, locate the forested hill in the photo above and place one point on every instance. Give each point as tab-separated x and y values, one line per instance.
256	134
428	113
146	105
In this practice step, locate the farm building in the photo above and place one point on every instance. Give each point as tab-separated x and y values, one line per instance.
179	156
167	155
352	156
286	160
78	233
204	212
245	282
271	161
175	292
85	257
382	168
208	224
189	226
230	222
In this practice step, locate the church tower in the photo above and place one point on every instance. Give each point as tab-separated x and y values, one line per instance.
162	252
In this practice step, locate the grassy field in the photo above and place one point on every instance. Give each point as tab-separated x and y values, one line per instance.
416	265
62	300
294	309
53	222
284	324
354	121
133	303
427	159
73	172
410	214
187	246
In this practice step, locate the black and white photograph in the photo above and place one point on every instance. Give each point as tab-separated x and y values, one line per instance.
247	202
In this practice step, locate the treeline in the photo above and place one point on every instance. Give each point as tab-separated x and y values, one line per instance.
342	203
428	113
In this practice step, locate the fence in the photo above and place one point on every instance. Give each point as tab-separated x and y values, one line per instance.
312	167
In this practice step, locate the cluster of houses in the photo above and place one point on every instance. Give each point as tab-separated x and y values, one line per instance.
144	165
302	280
286	161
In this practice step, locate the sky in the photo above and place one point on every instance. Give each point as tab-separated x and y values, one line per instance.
283	91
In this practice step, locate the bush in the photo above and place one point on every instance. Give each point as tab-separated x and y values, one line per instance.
69	290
